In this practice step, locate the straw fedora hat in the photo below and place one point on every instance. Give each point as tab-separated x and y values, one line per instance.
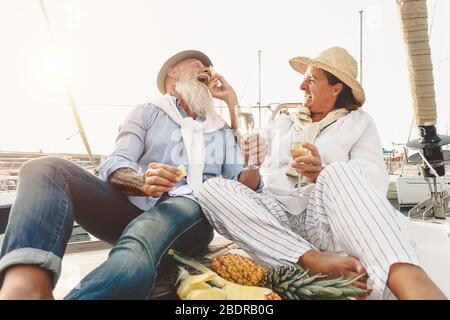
174	60
338	62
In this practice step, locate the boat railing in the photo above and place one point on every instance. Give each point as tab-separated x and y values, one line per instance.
8	183
11	162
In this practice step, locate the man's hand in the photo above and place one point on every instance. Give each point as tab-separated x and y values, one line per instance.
221	89
310	165
159	179
329	263
253	148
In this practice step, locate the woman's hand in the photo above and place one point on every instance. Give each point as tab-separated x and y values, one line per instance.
310	165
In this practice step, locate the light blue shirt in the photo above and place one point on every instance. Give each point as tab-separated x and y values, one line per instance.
149	135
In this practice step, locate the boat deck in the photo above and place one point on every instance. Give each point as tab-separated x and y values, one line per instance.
83	257
75	266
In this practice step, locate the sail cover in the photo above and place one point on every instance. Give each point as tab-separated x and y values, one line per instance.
414	25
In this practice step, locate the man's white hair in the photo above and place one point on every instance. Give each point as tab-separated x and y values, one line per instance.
196	94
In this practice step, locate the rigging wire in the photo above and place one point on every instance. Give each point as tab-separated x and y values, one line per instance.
432	20
68	89
252	70
441	60
410	130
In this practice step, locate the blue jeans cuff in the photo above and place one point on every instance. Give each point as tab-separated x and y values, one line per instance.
44	259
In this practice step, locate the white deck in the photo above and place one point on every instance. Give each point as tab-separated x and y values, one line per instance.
432	240
75	266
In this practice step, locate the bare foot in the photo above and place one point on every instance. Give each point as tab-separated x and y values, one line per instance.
410	282
27	282
333	265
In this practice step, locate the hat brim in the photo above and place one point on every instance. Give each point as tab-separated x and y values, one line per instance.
300	64
174	60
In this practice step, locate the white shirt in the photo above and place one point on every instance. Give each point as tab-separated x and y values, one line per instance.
353	139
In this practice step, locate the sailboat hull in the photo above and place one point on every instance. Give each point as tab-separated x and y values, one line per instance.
432	239
413	189
6	201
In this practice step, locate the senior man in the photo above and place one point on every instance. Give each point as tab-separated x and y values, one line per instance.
141	203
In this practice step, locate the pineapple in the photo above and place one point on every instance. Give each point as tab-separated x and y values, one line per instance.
208	285
238	269
291	283
294	283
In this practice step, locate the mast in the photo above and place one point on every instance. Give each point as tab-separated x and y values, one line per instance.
259	86
69	90
414	23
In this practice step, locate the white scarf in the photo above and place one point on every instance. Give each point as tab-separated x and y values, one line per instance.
286	194
303	122
192	132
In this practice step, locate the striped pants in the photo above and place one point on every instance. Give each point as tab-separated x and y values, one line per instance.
345	215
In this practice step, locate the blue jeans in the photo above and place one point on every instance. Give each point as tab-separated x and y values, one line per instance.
54	192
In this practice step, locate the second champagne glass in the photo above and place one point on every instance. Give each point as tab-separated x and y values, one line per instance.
245	126
298	150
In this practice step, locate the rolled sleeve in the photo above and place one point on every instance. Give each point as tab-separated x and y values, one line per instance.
112	163
130	142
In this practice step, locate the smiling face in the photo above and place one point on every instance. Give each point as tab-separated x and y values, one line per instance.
320	96
189	80
191	68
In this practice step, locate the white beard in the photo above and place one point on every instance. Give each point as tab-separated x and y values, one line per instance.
196	94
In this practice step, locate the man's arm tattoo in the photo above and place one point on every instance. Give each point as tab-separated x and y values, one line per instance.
127	181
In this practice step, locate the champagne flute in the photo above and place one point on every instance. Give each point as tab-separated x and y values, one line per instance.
245	126
298	150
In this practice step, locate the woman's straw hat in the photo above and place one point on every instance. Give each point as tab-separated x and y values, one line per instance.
338	62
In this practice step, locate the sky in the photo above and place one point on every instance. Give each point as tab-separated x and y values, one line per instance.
110	52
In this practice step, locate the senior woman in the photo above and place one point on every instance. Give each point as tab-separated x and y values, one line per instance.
340	222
